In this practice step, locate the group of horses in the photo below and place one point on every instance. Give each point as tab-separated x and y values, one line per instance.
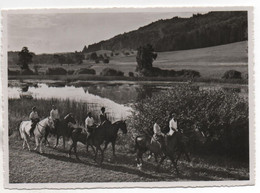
106	133
103	134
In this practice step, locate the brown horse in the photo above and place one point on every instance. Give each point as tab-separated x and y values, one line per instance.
96	139
173	149
111	134
62	128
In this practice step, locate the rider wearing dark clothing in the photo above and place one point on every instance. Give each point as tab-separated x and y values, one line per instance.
103	116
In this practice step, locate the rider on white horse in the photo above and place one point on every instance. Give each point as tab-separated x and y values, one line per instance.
34	117
54	114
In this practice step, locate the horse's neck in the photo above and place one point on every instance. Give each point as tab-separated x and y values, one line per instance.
44	122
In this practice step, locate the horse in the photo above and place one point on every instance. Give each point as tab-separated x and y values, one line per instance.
173	148
106	132
64	129
96	139
39	132
111	134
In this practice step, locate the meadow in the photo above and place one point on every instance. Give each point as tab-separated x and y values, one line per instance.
211	62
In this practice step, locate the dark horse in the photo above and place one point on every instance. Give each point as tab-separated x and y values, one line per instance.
106	132
173	149
111	134
63	129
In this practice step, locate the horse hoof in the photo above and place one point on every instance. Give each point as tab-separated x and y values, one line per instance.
68	155
35	149
41	152
54	146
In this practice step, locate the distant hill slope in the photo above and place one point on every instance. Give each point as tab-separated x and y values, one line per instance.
211	29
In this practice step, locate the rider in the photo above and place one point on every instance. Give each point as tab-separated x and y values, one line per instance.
34	117
103	116
89	125
172	125
54	114
158	135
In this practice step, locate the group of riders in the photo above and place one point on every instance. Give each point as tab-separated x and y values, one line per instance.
90	124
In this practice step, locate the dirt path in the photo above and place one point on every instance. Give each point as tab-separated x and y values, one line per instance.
54	166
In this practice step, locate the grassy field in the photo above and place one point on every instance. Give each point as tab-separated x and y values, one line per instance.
211	62
54	166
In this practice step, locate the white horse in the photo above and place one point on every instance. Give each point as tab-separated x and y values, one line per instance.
39	132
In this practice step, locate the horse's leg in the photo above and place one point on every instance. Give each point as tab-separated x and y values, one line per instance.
41	141
161	161
71	146
139	156
156	158
36	143
113	147
23	143
95	158
27	143
102	154
93	148
63	142
57	141
175	165
75	151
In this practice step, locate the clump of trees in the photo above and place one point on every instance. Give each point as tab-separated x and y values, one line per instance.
85	71
25	58
111	72
232	74
145	57
222	116
56	71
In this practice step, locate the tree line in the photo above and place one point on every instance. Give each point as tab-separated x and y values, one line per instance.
211	29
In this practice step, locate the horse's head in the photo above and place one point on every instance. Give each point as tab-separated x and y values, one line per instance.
69	118
122	126
199	135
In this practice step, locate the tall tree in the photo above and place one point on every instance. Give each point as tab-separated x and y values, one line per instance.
25	58
145	57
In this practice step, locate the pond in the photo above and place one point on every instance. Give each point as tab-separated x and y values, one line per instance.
117	97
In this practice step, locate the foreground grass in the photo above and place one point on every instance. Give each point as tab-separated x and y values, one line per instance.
55	167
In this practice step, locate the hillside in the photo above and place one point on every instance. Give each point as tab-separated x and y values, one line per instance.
211	29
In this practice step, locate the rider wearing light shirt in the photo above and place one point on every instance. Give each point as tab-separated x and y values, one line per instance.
89	123
34	117
55	116
172	126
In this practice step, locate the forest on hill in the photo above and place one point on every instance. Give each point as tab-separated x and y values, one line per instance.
199	31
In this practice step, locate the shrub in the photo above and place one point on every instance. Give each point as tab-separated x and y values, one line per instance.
56	71
106	60
131	74
13	72
188	73
85	71
222	116
111	72
70	72
232	74
26	72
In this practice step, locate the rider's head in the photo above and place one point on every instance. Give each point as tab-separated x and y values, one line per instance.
53	107
89	114
103	109
34	108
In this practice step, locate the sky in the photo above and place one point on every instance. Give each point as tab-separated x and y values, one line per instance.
69	32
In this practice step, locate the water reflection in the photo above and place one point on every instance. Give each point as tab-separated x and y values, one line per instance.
115	97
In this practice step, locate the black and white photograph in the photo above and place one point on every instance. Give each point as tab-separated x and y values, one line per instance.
151	97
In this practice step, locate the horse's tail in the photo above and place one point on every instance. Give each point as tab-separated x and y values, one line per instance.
19	130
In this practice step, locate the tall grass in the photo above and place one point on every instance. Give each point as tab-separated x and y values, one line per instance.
19	110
